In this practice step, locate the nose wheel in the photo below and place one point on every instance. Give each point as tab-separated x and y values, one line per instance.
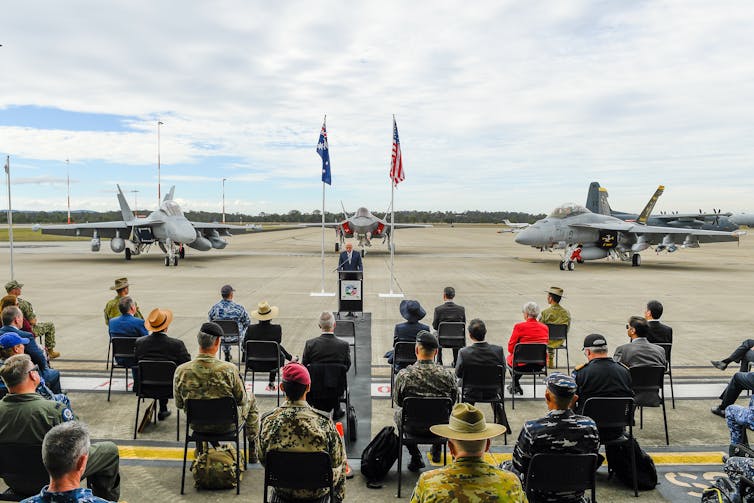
172	254
567	265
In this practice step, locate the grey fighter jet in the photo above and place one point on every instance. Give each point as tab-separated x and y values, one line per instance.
571	227
167	227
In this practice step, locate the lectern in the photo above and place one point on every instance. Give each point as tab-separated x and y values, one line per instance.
350	291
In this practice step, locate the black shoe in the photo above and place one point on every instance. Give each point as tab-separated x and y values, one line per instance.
163	414
416	464
517	390
718	411
228	357
338	414
436	454
718	364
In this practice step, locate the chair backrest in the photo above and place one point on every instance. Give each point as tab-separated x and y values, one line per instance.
345	328
451	334
298	470
647	377
155	379
212	411
610	412
555	472
230	327
668	347
123	347
329	383
557	332
486	380
22	469
262	356
422	412
404	353
531	353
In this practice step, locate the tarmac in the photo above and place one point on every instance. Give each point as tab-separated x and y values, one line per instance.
706	294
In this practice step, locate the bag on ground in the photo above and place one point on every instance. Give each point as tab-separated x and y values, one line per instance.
215	468
619	462
380	455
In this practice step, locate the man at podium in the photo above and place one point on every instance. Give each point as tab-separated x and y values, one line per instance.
350	261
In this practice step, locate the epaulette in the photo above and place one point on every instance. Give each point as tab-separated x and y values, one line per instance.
579	367
624	365
264	416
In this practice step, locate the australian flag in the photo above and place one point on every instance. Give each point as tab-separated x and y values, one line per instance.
324	152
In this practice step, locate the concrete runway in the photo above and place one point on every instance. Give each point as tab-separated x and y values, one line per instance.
705	292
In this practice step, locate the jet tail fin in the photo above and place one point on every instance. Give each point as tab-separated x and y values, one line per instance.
593	198
644	215
603	207
345	213
125	210
169	195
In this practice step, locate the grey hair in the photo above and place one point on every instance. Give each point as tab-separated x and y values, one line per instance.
326	321
63	446
10	313
530	309
15	369
125	304
205	340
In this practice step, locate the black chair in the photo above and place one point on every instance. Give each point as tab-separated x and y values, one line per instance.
109	347
298	470
329	389
262	356
213	412
614	413
746	489
404	354
488	383
560	333
647	382
668	347
23	471
418	414
123	347
451	335
230	330
534	355
346	330
155	382
554	472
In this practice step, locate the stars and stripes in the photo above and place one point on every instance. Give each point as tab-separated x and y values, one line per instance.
396	164
324	152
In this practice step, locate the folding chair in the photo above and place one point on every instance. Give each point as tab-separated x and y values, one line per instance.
109	347
329	389
213	412
298	470
647	382
555	472
451	335
262	356
532	354
418	414
23	471
346	330
488	384
155	382
668	347
614	412
560	333
123	347
230	330
404	354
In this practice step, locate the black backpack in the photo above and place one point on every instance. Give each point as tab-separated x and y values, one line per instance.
619	462
380	455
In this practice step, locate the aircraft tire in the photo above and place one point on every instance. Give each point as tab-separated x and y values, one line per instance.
635	260
175	260
562	265
167	261
571	265
337	247
128	253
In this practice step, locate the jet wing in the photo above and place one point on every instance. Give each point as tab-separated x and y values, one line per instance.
329	225
408	226
653	233
103	229
230	229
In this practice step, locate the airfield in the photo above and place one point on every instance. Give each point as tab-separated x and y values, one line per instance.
706	293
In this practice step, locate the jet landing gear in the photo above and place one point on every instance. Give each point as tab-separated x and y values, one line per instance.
635	260
128	253
171	256
567	265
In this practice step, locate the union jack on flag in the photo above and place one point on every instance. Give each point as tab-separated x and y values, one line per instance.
396	164
323	150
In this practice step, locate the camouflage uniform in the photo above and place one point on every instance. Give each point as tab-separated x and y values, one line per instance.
296	426
44	330
468	479
560	431
737	467
206	377
555	315
229	310
740	419
112	311
423	379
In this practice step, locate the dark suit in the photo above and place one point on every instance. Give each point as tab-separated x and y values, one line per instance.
326	349
158	346
267	331
479	353
659	332
448	311
354	264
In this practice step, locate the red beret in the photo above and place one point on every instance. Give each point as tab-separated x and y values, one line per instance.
295	372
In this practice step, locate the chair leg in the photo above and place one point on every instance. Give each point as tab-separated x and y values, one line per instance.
177	424
444	453
185	453
568	362
110	384
355	368
278	386
253	375
672	393
136	422
125	371
400	460
665	419
238	464
392	384
107	362
641	418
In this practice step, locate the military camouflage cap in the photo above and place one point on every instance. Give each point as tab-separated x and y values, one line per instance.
427	340
561	384
10	285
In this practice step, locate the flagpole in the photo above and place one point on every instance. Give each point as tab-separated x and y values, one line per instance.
322	292
10	216
391	241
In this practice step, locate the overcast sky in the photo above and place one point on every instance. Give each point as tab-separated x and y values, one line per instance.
500	105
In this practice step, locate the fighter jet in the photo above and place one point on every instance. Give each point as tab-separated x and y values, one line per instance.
746	219
572	226
167	227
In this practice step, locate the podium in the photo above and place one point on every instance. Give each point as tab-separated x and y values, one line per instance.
350	291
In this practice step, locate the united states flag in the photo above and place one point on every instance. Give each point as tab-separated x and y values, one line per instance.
396	164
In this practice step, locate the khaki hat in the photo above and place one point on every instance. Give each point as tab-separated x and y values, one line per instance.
265	311
120	284
158	320
555	291
10	285
467	423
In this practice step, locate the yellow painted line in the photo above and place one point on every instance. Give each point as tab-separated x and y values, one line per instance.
154	453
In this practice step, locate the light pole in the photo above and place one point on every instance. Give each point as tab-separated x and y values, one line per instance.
136	200
224	199
159	196
68	183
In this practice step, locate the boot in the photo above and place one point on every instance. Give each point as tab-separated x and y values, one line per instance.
52	353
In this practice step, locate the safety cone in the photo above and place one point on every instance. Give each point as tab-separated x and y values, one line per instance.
349	470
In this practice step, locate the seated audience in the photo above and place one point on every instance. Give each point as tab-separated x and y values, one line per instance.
424	378
205	377
12	300
658	332
112	310
639	351
127	325
296	426
739	420
554	315
739	382
561	430
448	311
528	331
226	309
158	346
65	453
469	477
265	330
743	354
25	418
412	312
45	330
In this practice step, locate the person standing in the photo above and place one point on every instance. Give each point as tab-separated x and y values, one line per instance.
350	260
554	315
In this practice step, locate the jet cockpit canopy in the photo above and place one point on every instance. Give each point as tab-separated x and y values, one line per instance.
568	210
171	208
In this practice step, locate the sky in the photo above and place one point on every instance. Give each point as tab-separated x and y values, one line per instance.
500	105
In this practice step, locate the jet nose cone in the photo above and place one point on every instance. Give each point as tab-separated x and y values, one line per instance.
527	236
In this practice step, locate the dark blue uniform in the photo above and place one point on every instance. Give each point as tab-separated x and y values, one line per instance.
602	377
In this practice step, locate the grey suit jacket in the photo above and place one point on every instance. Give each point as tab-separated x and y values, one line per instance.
640	352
